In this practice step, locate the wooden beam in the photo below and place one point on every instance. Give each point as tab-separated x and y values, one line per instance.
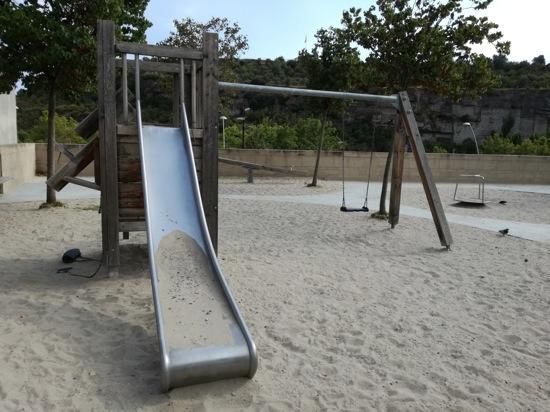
255	166
82	182
194	95
74	166
63	149
136	226
209	170
124	88
97	167
415	140
150	66
126	130
88	126
107	143
176	100
158	51
399	140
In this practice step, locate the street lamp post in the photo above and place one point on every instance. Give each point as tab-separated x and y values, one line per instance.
223	119
473	134
243	119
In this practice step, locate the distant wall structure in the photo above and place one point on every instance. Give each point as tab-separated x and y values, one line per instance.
525	112
446	167
8	119
17	164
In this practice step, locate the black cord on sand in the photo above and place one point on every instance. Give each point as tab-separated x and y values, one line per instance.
67	271
77	257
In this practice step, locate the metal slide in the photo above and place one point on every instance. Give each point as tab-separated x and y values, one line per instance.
202	334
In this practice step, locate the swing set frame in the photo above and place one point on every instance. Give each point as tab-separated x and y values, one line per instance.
406	130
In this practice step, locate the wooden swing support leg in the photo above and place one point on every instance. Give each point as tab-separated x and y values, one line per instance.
407	130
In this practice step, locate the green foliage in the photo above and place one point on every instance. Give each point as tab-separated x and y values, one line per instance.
538	146
333	63
31	105
518	75
438	149
274	72
300	135
188	34
64	126
426	43
231	42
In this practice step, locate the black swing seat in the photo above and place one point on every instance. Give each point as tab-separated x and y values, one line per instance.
354	209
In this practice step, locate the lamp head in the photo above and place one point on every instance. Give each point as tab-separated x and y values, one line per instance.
467	124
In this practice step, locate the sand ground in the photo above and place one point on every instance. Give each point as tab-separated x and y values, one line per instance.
346	313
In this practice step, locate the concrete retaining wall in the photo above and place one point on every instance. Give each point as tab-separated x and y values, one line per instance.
445	167
8	119
19	162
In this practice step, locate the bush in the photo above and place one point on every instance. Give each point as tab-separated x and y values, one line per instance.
302	135
64	131
539	146
438	149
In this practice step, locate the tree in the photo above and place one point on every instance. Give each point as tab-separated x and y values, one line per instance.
333	64
426	43
64	130
188	33
50	45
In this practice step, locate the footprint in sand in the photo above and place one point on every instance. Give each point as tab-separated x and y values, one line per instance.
512	339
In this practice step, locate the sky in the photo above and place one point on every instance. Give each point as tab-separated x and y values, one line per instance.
284	27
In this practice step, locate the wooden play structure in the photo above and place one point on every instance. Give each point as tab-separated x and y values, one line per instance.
115	148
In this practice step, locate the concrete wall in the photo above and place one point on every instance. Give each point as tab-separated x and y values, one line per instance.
8	119
19	162
445	167
61	159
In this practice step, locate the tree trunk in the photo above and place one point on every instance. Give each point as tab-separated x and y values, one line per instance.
382	209
50	192
319	148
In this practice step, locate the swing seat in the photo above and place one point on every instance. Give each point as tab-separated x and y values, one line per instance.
354	209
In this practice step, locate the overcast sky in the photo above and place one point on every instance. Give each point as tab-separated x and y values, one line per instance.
283	27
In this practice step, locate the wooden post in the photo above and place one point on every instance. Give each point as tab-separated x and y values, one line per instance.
124	88
181	88
415	140
194	92
108	144
397	172
209	169
176	101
